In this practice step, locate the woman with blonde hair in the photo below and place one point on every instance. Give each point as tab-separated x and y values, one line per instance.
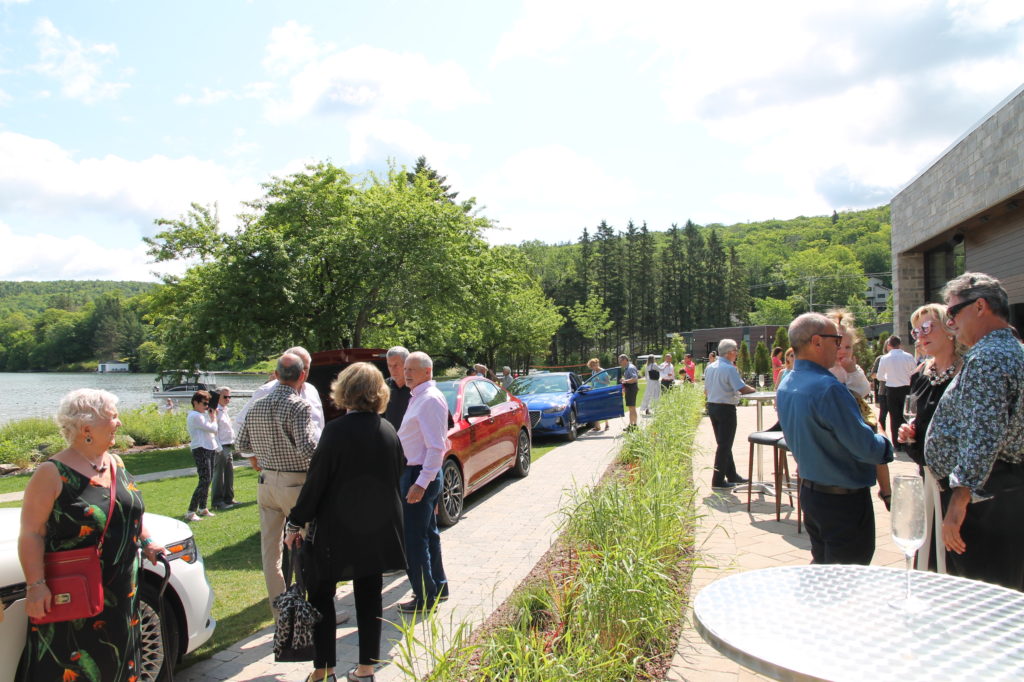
351	503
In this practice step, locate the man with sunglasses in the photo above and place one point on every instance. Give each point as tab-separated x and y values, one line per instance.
975	442
837	451
895	369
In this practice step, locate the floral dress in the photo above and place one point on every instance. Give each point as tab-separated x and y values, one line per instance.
106	648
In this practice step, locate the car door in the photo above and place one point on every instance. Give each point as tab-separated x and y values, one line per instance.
600	397
474	463
504	432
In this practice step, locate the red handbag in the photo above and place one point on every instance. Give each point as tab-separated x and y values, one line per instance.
75	576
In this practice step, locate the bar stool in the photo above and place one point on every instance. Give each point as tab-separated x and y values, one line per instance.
761	438
782	469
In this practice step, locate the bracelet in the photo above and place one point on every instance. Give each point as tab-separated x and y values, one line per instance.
146	542
41	581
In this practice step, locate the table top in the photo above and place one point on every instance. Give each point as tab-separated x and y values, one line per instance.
758	395
833	622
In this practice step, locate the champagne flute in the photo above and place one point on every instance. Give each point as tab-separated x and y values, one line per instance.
908	530
910	411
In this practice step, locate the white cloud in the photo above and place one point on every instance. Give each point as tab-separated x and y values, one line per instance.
78	67
207	96
5	98
376	139
544	191
13	2
47	257
291	46
43	179
367	79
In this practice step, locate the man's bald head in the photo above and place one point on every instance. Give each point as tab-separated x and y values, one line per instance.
813	337
290	369
307	359
419	368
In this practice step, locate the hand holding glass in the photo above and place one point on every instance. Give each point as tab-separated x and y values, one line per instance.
910	411
908	530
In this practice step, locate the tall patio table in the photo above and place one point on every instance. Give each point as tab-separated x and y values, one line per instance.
760	484
834	622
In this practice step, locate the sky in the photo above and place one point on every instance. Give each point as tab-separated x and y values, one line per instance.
554	114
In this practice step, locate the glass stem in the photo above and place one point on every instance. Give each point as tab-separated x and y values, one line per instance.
910	559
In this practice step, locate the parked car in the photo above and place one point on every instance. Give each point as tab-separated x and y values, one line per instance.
491	435
187	600
559	401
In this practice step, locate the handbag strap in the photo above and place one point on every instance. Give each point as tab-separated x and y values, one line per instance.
113	498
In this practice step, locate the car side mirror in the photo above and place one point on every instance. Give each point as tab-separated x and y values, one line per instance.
583	389
478	411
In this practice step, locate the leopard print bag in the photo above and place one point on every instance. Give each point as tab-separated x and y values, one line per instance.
293	632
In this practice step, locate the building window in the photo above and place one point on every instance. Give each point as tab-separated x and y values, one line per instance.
942	264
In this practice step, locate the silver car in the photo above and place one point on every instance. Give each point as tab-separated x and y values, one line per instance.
187	600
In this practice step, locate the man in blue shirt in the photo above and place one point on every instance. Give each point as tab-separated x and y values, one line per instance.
722	388
836	450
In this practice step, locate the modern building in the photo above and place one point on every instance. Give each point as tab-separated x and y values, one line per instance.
965	212
702	341
877	293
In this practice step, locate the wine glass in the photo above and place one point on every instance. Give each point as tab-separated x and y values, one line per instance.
908	526
910	411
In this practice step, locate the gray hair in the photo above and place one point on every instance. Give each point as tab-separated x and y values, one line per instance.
727	346
623	356
224	389
804	327
420	358
506	368
81	407
979	285
397	352
290	367
307	359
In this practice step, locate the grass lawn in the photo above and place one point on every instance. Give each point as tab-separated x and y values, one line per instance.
137	463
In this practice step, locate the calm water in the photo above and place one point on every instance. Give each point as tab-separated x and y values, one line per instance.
37	395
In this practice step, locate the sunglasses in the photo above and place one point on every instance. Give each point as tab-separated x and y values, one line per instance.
837	337
203	402
924	330
225	397
954	310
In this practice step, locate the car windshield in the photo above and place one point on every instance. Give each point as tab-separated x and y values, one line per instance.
450	390
539	384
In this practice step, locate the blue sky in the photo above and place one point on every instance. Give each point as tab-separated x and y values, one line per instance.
554	115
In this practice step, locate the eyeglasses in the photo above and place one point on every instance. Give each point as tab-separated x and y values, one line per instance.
954	310
837	337
203	402
924	330
225	397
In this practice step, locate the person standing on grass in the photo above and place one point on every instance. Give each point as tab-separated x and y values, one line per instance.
630	387
424	436
722	388
223	461
837	452
280	433
202	430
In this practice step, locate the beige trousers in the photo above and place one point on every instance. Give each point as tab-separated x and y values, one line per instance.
276	495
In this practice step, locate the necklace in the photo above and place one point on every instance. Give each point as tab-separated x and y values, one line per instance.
936	377
98	468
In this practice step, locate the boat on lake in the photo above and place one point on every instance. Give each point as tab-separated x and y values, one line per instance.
180	384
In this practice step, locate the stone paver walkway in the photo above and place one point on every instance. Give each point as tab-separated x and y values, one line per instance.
731	539
505	531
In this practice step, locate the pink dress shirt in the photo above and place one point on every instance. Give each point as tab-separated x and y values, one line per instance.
424	432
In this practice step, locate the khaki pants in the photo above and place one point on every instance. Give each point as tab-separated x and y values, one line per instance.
277	493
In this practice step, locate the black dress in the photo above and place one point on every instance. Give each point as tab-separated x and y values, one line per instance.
927	395
108	646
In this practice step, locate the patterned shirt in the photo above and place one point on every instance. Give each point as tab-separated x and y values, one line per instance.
279	431
980	417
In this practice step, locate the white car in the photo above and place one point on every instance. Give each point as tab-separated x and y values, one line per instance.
187	600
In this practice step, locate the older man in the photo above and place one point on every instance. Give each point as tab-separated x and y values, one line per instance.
975	442
399	401
280	433
306	391
723	386
506	377
424	436
223	490
838	453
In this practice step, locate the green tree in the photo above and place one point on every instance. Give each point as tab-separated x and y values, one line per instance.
762	359
781	337
743	363
592	319
771	311
822	278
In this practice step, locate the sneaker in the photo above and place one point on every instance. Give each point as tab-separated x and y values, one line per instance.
740	481
724	485
412	606
206	512
192	516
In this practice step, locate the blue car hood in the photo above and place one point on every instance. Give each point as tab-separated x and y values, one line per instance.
540	401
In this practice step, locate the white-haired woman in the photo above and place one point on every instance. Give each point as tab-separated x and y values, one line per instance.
65	507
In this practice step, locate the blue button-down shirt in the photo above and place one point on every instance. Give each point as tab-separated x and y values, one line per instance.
824	430
722	382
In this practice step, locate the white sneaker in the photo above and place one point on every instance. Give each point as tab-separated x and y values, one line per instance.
192	516
206	512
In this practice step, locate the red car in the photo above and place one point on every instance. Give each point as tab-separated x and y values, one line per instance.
491	436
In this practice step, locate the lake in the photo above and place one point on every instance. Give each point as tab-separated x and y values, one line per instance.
37	394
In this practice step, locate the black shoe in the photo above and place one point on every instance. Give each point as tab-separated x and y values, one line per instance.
724	485
412	606
740	481
442	596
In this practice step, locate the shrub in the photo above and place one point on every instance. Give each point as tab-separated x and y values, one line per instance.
149	426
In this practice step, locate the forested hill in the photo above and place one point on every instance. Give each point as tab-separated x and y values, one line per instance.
32	298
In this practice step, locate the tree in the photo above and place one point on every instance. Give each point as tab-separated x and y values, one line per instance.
592	319
762	359
423	169
781	337
743	363
822	278
771	311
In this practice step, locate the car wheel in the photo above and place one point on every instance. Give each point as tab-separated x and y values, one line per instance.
524	456
158	657
452	494
571	432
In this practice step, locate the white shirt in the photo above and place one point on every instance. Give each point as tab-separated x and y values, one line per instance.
856	380
225	430
202	430
308	393
895	368
668	371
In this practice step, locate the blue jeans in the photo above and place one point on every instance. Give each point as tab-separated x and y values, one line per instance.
423	540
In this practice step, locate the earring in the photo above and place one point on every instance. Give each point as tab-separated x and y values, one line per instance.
88	439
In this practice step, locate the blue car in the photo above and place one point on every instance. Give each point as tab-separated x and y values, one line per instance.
559	401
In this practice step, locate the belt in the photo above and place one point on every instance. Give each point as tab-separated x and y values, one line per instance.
829	489
284	471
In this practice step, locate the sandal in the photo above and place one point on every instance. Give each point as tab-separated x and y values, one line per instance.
352	677
312	677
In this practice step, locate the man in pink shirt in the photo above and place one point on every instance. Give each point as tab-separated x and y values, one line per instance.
424	436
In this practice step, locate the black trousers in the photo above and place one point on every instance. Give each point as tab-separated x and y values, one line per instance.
894	399
204	468
993	531
883	408
367	591
723	421
841	527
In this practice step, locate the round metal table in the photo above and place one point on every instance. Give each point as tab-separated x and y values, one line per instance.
833	622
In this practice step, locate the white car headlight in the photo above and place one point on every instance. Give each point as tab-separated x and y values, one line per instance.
556	409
